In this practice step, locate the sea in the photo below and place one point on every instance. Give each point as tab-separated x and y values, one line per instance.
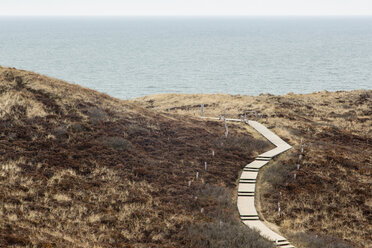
128	57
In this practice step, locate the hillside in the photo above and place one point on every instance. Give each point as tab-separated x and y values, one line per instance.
328	199
81	169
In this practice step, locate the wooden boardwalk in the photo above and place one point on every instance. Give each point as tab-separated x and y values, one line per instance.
247	184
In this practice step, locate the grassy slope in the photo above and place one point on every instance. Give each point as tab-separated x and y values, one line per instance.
331	195
81	169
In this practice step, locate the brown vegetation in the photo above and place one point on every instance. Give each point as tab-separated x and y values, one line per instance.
331	196
81	169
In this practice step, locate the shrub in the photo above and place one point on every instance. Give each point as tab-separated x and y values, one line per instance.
61	131
222	235
276	174
96	115
8	75
18	110
117	142
311	240
225	229
240	143
221	198
19	82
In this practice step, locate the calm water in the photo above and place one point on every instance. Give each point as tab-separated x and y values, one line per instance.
131	57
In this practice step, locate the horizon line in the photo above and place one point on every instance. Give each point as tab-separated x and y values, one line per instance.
185	15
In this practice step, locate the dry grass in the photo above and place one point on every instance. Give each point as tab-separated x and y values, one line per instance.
312	240
81	169
57	209
224	228
331	195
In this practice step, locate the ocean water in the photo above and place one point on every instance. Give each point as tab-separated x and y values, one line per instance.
132	57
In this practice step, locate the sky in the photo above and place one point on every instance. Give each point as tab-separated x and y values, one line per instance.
186	7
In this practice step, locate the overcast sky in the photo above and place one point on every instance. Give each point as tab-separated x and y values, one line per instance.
185	7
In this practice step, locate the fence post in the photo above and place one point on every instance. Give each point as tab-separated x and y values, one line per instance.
227	129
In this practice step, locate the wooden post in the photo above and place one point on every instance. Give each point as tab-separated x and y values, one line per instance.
227	129
205	165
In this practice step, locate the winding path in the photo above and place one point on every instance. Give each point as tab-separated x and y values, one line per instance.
247	184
